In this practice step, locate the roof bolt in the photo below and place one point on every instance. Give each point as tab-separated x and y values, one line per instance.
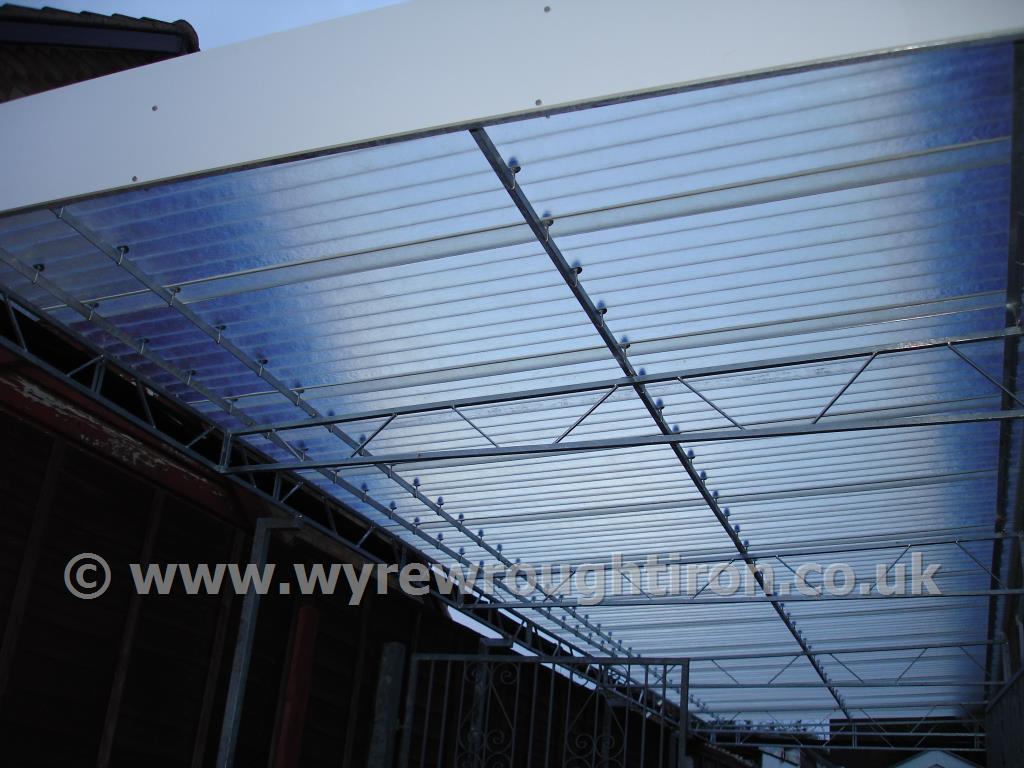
39	267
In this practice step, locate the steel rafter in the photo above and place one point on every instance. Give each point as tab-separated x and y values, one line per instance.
618	349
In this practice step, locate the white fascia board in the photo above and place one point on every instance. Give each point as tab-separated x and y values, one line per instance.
432	65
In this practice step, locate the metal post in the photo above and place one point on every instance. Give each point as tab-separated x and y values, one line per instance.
243	646
410	715
385	710
684	713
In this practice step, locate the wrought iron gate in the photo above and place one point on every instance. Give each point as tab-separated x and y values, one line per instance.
477	711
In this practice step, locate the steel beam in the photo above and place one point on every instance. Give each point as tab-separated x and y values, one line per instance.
673	439
688	374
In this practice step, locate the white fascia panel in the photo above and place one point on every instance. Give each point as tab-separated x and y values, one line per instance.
431	65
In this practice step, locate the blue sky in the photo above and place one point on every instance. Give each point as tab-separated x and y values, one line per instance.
221	22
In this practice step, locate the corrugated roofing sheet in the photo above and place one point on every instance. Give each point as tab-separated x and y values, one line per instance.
849	207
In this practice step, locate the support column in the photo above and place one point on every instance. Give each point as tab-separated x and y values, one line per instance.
243	646
682	761
385	710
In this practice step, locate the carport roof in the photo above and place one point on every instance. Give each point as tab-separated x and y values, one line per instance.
803	279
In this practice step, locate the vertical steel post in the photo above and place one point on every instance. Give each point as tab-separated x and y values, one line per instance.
243	645
385	710
684	714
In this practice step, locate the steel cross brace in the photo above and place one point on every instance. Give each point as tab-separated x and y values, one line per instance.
618	350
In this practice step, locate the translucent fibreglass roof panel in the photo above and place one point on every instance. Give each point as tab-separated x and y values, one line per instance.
739	133
724	231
